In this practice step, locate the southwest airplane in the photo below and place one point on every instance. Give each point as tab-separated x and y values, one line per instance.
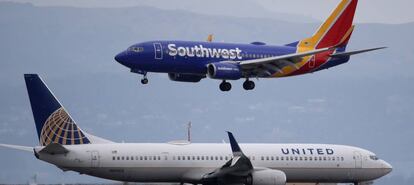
187	61
64	144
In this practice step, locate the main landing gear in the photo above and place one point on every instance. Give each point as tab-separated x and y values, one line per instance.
247	85
225	86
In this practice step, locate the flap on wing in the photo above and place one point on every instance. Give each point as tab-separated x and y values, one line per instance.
54	148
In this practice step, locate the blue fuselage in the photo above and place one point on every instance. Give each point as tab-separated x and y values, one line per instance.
188	57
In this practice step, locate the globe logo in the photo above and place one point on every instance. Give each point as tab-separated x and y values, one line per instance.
60	128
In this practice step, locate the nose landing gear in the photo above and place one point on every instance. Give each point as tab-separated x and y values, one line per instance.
144	79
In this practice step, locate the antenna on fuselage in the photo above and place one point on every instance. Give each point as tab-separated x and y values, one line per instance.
189	132
210	38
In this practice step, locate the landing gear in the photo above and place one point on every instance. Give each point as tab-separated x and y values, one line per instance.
225	86
144	80
248	85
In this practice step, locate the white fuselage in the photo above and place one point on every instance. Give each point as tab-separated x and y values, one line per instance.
151	162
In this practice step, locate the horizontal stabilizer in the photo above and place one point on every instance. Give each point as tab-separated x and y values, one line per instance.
349	53
54	148
17	147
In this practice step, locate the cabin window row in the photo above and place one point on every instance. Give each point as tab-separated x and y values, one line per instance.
158	158
297	158
247	55
137	158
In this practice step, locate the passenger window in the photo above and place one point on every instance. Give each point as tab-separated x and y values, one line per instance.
118	158
113	158
262	158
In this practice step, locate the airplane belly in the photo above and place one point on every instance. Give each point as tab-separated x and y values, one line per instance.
144	174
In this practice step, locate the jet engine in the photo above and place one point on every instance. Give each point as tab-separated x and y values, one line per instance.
268	177
224	71
184	77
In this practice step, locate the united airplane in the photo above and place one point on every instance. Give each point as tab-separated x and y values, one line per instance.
187	61
64	144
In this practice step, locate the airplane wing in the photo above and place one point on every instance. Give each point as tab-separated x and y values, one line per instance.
349	53
238	165
262	66
18	147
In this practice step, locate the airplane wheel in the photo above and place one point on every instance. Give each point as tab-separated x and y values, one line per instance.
144	81
225	86
248	85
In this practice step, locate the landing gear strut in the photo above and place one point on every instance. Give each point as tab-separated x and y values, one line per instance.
248	85
225	86
144	79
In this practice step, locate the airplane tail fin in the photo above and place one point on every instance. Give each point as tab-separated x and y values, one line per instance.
53	123
336	30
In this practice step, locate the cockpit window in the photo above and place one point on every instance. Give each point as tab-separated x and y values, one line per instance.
373	157
136	49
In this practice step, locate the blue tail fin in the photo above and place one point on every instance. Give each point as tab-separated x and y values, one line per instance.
53	123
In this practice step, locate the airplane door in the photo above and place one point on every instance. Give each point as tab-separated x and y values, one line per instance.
94	159
158	51
358	160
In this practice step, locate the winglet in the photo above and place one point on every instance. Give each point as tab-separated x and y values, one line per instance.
234	145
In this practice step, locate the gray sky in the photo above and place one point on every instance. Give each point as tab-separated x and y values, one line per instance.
378	11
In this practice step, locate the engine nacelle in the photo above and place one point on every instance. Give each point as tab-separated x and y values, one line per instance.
184	77
268	177
224	71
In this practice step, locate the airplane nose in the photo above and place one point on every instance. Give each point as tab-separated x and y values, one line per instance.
387	167
121	58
